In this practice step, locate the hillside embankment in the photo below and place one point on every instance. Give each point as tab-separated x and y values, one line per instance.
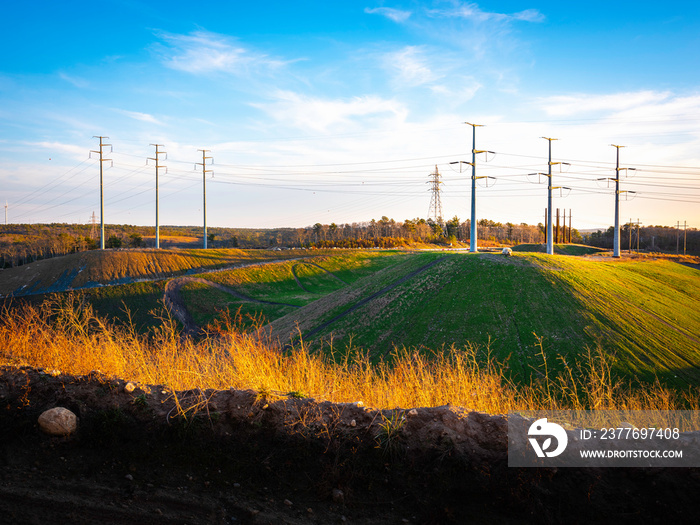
114	267
151	455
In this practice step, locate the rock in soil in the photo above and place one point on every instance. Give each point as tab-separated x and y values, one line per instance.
58	421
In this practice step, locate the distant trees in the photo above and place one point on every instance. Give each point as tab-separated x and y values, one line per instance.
113	242
24	243
136	240
651	238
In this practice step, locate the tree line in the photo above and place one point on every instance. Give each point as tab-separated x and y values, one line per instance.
25	243
649	238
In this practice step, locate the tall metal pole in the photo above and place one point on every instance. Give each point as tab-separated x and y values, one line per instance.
158	166
472	236
102	206
550	238
616	237
204	190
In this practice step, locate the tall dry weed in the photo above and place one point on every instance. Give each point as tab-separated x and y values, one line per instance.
68	336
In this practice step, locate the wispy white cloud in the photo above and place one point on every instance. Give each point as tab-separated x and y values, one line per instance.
397	15
141	117
321	115
472	11
460	90
61	148
75	81
410	66
569	105
205	52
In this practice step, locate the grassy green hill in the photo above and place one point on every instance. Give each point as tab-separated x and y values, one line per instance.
644	313
121	266
297	283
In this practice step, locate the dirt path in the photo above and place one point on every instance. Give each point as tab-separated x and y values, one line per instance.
373	296
173	300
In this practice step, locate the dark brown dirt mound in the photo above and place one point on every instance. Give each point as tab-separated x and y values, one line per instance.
242	457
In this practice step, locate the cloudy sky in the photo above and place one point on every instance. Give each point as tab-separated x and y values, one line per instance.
323	111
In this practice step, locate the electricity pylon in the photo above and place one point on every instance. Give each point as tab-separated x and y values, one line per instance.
435	209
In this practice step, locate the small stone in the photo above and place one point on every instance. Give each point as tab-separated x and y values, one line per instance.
54	373
353	423
343	519
413	412
58	421
129	387
159	512
236	485
288	503
129	477
338	496
266	406
310	510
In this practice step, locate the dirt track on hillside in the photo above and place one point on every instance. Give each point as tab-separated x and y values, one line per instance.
174	302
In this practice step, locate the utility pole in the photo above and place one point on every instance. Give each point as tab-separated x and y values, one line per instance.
564	237
616	237
630	228
678	235
102	202
637	234
569	225
545	225
685	234
473	244
472	235
204	188
158	166
550	239
5	212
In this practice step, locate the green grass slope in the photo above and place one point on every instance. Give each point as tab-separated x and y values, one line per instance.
645	314
297	283
559	249
121	266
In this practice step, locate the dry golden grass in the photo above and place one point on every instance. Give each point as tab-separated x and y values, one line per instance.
70	338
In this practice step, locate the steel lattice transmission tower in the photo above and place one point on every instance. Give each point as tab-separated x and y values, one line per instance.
435	210
93	229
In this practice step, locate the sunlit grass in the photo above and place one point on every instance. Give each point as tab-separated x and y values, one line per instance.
73	340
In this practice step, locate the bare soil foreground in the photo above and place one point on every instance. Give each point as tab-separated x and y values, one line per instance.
243	457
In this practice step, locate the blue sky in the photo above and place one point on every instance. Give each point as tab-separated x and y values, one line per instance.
338	111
